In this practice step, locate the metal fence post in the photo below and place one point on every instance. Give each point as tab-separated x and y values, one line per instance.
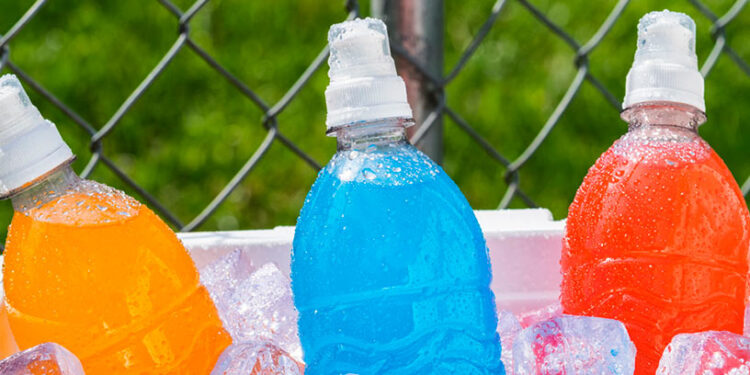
417	26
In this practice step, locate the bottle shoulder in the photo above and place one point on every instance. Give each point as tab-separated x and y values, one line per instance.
656	167
83	202
673	146
385	165
399	183
396	170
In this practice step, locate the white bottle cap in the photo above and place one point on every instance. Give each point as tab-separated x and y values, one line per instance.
364	84
30	146
665	66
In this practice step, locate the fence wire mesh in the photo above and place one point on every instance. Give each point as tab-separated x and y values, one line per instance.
581	50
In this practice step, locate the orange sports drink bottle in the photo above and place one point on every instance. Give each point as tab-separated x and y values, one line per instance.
91	268
657	236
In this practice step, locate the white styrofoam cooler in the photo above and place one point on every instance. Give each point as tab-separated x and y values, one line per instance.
524	250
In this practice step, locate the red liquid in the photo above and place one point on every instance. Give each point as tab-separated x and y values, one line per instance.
657	237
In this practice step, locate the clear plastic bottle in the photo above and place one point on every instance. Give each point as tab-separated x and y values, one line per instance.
92	269
658	234
390	270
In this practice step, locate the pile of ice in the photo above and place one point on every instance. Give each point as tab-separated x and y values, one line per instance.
43	359
706	353
256	358
548	342
255	304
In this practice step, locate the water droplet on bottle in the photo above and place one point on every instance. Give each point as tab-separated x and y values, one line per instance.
371	148
353	155
397	169
369	174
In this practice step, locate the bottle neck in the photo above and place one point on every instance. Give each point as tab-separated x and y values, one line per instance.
663	114
45	189
374	133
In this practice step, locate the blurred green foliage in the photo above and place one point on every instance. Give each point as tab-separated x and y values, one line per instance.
191	131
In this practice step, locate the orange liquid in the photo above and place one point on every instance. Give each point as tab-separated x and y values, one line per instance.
7	342
103	276
657	237
44	367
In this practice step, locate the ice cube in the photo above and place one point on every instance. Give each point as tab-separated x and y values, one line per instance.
545	313
706	353
43	359
254	304
574	345
508	328
256	358
223	275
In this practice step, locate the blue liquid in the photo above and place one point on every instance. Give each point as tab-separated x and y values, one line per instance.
390	270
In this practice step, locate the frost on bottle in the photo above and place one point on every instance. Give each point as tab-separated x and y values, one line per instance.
390	270
89	267
657	236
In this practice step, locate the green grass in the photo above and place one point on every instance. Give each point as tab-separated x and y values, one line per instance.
191	131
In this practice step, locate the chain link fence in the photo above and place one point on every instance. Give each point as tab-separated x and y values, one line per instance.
434	89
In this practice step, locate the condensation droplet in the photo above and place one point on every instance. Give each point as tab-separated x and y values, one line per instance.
369	174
